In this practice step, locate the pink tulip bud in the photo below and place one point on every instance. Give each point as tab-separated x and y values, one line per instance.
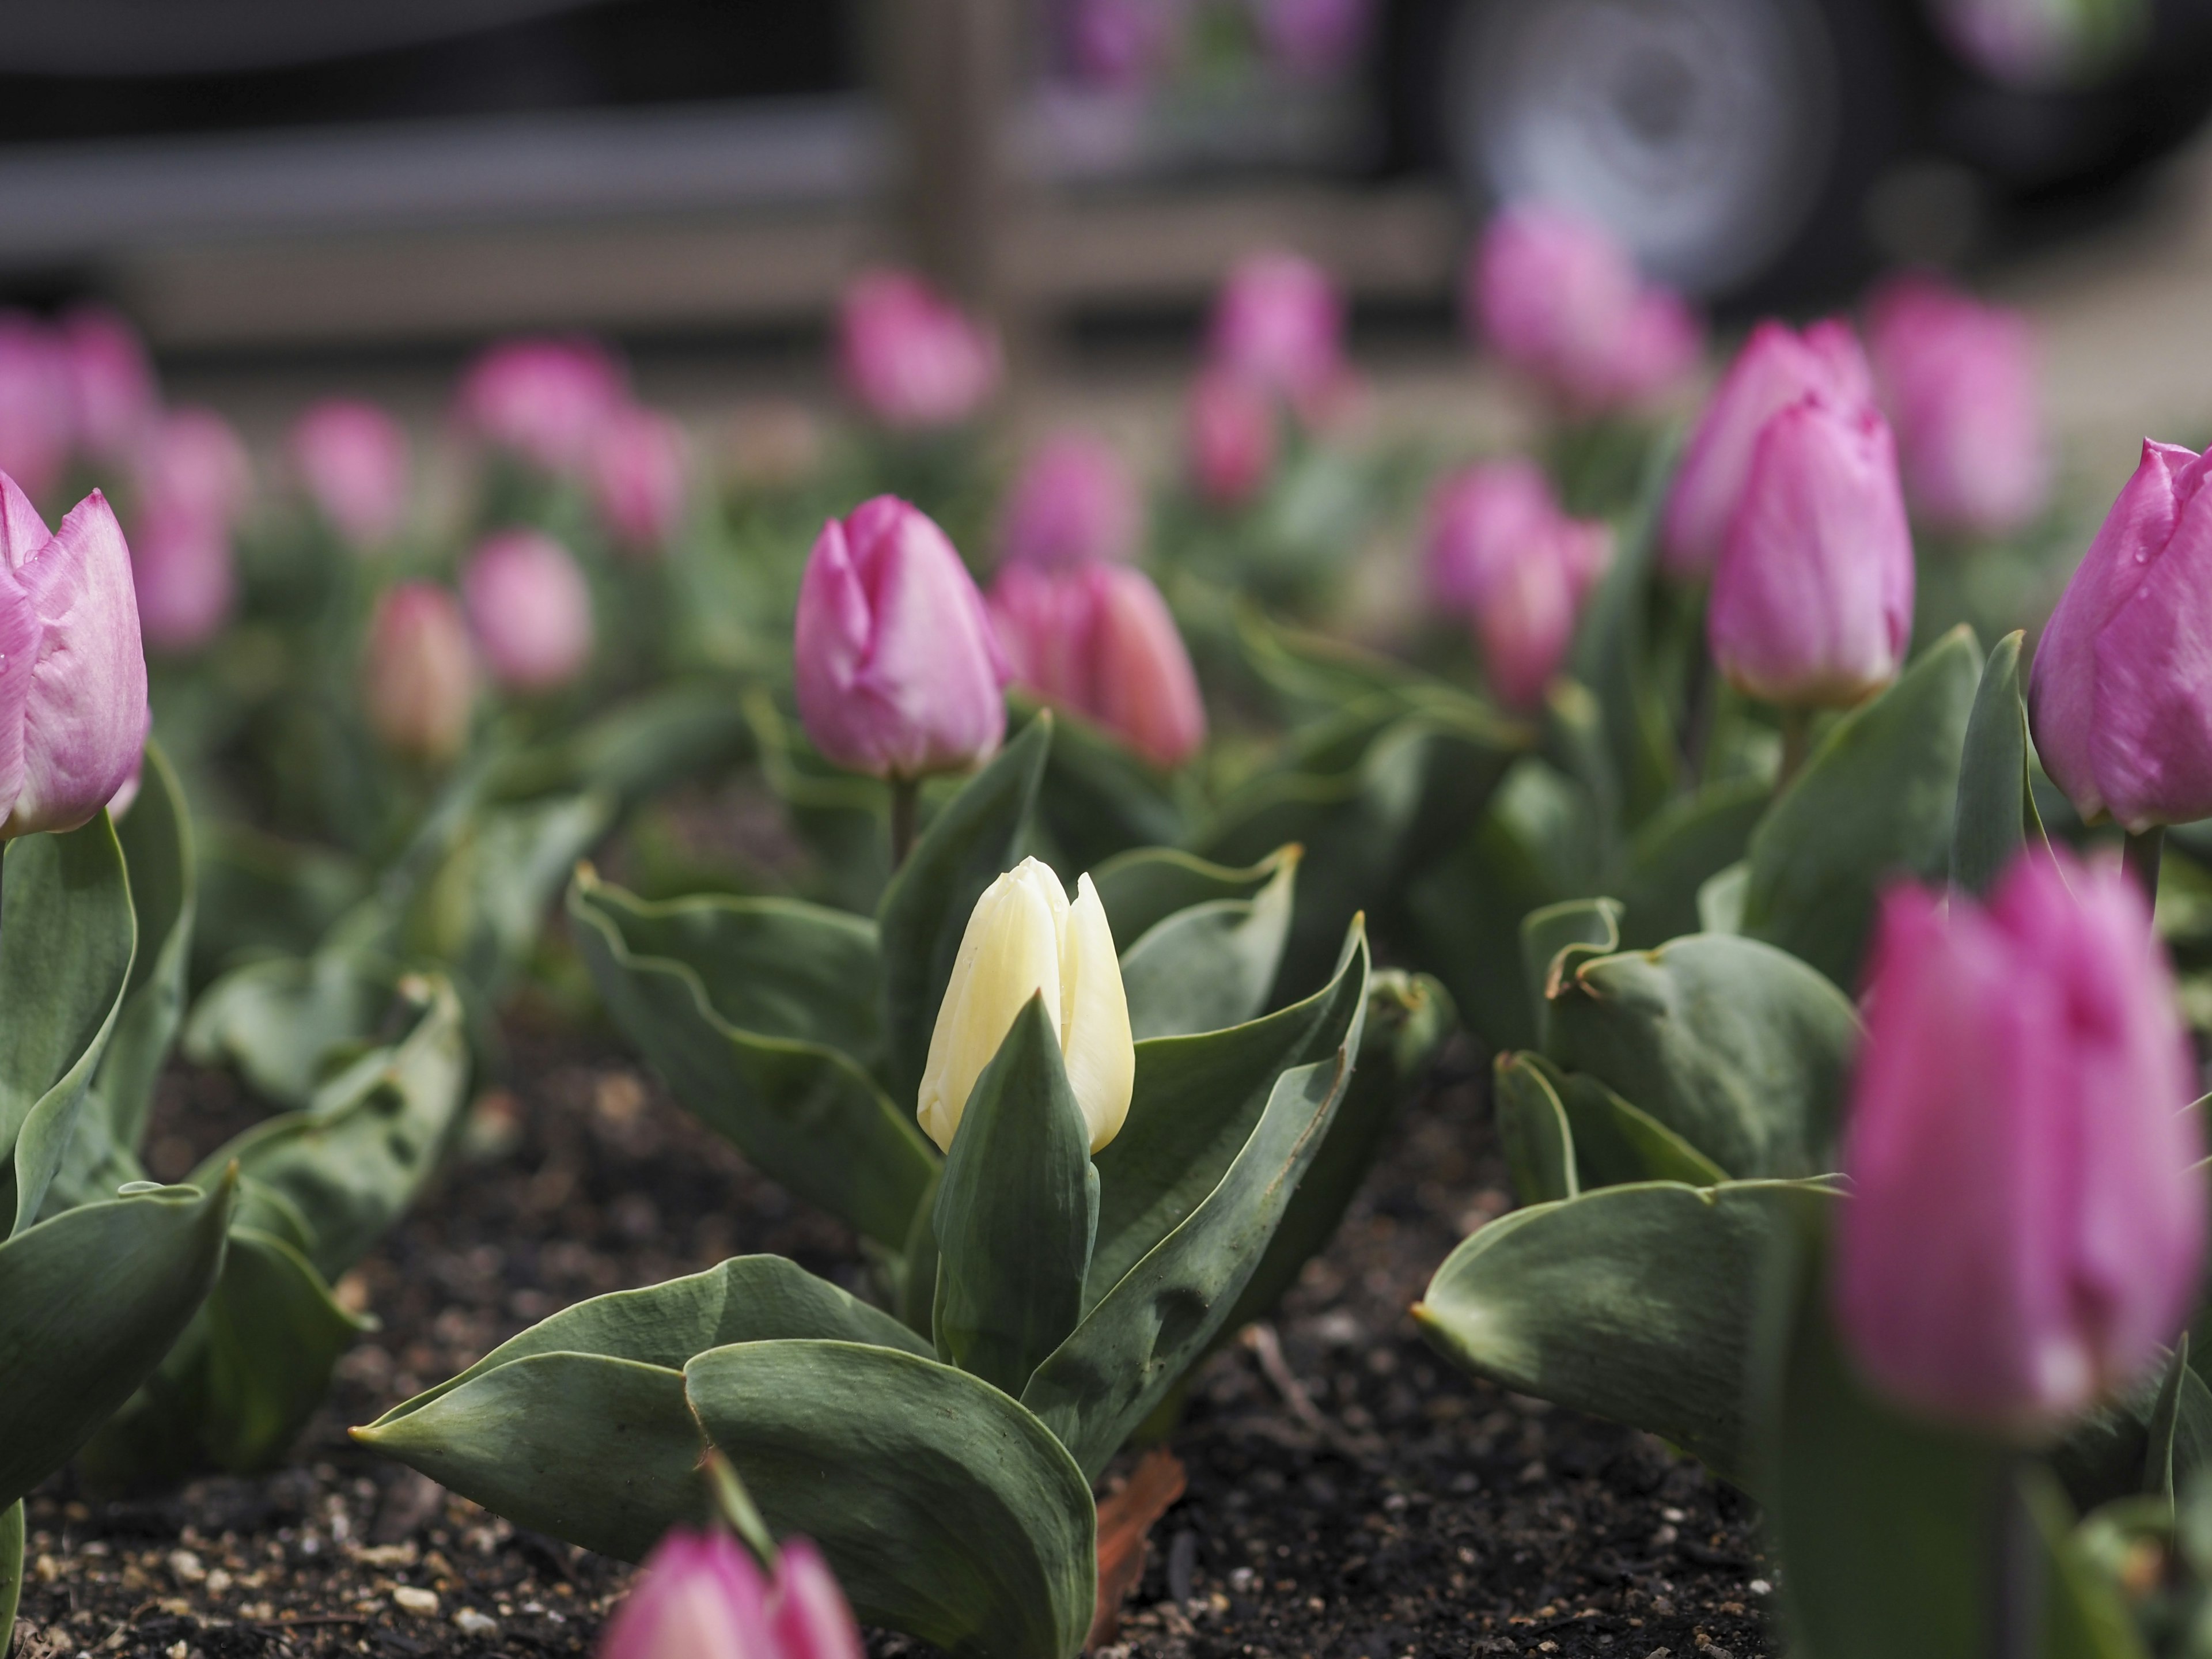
896	669
807	1610
1561	302
640	479
2119	697
699	1596
1479	518
1812	604
73	712
1230	430
913	360
1074	503
2025	1227
1278	324
419	673
1122	44
543	399
1044	620
1100	641
1959	381
184	577
191	464
1775	368
351	457
112	389
530	608
38	414
1314	39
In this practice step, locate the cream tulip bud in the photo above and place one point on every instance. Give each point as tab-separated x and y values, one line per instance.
1024	938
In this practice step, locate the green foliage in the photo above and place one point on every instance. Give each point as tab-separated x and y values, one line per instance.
1995	815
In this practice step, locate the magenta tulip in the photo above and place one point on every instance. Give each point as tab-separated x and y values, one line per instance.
113	393
640	479
1099	640
1775	368
1479	518
699	1596
1959	380
896	666
1044	622
1314	39
38	416
351	458
1074	503
1278	325
913	360
807	1610
1121	43
192	464
418	673
530	610
1562	303
543	399
73	712
1812	604
1230	435
2025	1225
2120	697
184	574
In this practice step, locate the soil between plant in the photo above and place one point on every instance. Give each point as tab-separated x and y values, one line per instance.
1350	1496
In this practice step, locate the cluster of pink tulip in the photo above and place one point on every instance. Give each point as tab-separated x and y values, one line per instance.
702	1596
1274	345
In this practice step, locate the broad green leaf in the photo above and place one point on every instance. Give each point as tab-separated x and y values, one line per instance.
480	911
1996	813
1615	1143
279	1022
946	1510
673	732
1684	845
1465	911
1143	888
981	833
1134	1344
1564	936
1210	966
1875	802
67	1359
156	839
67	936
1736	1047
1638	1304
1098	799
2179	1441
11	1571
808	1113
1720	900
259	894
839	815
1016	1212
2084	1616
1532	1129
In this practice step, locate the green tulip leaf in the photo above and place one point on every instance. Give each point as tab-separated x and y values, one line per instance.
1143	888
2180	1440
638	749
808	1113
1016	1212
1617	1144
1576	930
1098	799
840	816
259	894
1212	965
1683	846
1875	802
1532	1128
156	839
1996	814
280	1021
480	910
11	1571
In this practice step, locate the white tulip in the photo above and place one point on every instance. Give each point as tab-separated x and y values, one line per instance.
1024	937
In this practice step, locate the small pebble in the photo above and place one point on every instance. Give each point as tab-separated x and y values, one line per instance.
184	1567
410	1599
473	1623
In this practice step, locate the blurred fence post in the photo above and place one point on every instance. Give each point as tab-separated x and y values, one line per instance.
953	68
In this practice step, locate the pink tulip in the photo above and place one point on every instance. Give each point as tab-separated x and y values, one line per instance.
352	458
807	1610
1479	520
73	712
2120	697
1812	604
1959	381
1561	302
896	669
1074	503
2025	1227
1279	323
698	1597
38	417
1313	39
1100	641
191	464
530	608
543	399
113	393
1122	44
1775	368
418	674
1229	434
184	576
640	479
914	360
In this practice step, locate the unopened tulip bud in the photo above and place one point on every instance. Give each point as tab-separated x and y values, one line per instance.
1314	39
896	669
1122	44
2119	697
111	383
544	400
73	712
1478	519
419	673
1230	431
1812	604
699	1596
1775	368
640	479
192	465
2025	1225
912	360
808	1614
38	415
185	576
530	608
1074	503
1278	325
1958	379
1045	622
1526	614
351	458
1144	689
1024	938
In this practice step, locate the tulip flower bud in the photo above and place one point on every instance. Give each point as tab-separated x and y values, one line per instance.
2025	1225
1958	379
639	479
1122	44
419	674
73	712
1024	938
1775	369
37	411
913	360
530	610
183	572
1314	39
351	458
1074	503
2118	698
1230	430
1561	302
808	1614
1045	622
1100	641
192	465
544	400
1278	325
112	390
1478	519
896	669
699	1596
1812	604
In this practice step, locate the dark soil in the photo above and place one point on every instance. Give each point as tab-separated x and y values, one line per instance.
1350	1496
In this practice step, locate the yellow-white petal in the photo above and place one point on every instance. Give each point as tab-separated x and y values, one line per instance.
1095	1041
1008	953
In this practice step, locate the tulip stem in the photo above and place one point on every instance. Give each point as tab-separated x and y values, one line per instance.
2140	854
1796	743
2015	1569
906	814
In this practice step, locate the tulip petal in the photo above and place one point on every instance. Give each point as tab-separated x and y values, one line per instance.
1100	1054
810	1617
1009	952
